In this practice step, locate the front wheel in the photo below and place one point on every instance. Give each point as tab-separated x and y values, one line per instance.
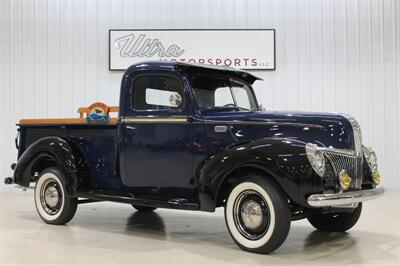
336	222
257	215
53	205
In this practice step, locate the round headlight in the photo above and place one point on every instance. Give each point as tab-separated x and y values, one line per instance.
316	158
370	157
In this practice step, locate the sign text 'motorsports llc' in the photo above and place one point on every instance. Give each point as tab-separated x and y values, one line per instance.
246	49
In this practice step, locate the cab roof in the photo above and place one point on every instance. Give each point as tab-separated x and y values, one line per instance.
183	67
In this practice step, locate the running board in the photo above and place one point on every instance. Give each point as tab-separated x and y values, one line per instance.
83	201
171	204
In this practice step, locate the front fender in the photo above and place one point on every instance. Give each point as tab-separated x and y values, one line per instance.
57	149
284	160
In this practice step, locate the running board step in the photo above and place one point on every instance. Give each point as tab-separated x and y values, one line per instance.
107	196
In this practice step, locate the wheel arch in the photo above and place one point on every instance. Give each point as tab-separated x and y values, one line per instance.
40	163
233	177
48	152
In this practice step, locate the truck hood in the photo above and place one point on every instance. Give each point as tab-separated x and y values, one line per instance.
324	129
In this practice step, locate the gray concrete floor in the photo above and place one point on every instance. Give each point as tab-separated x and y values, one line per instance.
114	234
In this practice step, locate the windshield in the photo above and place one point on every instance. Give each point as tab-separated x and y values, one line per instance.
213	91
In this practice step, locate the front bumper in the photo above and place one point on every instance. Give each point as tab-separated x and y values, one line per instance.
343	199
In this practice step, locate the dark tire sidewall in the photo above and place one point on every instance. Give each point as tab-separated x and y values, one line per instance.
326	222
143	208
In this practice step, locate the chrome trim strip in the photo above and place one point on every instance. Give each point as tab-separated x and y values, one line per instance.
154	120
149	119
345	198
268	122
356	132
357	137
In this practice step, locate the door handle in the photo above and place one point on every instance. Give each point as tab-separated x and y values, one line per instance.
130	127
220	129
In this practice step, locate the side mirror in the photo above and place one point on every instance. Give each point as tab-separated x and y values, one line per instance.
261	108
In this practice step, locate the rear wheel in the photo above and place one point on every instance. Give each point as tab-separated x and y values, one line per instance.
143	208
257	215
336	222
53	205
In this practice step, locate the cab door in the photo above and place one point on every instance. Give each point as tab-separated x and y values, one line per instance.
157	139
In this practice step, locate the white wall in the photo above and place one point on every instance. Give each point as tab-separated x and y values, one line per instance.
331	56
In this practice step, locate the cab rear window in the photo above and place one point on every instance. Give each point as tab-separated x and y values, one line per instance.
157	93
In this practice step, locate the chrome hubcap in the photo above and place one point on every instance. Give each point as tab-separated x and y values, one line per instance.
251	214
51	196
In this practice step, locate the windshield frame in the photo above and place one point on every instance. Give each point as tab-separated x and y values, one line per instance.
231	80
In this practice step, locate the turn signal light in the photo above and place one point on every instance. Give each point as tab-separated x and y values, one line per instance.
344	179
376	176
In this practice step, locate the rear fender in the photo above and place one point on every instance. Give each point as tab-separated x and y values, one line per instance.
57	150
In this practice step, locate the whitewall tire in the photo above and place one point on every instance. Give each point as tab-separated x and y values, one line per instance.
257	214
53	204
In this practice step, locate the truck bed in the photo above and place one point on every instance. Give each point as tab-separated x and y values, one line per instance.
97	141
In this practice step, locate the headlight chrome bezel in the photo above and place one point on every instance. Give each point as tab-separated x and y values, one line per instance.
316	158
372	161
371	158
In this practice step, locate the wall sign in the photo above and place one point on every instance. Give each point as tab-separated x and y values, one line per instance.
245	49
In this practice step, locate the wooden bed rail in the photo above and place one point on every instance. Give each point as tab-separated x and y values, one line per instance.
82	120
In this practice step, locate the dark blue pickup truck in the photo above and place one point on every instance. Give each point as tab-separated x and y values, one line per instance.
193	137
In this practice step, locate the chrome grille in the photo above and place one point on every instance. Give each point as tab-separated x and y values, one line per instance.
357	137
351	163
356	134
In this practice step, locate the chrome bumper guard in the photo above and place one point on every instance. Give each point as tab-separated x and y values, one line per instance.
343	199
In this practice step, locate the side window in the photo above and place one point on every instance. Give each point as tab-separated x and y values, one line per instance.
157	93
242	97
223	97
